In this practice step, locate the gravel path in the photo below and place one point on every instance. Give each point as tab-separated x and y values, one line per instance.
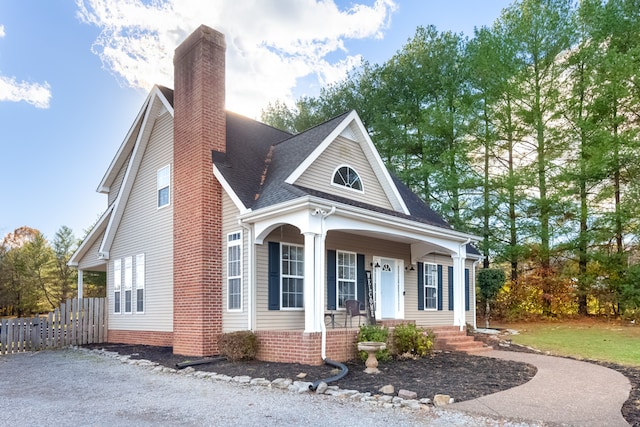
74	387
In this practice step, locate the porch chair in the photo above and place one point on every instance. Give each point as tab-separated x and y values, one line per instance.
352	307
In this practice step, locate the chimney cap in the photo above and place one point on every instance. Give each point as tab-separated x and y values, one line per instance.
202	33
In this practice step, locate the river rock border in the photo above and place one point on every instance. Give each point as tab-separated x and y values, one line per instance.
286	384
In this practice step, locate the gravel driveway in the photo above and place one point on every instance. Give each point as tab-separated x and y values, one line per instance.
73	387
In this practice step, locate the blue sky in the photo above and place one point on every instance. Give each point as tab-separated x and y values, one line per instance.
73	75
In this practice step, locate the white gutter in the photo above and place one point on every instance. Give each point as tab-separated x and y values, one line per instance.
320	291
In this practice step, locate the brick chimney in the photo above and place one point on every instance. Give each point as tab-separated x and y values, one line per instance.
199	127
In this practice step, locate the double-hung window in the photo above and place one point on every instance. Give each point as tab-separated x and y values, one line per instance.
128	282
346	277
234	271
140	283
117	284
430	286
292	280
163	185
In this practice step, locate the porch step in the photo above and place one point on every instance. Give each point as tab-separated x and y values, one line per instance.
452	339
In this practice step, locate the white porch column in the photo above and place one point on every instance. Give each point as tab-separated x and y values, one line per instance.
310	312
458	291
80	284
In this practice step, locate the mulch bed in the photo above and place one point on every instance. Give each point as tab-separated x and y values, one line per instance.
459	375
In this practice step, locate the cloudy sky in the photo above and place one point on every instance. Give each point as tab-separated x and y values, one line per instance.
73	75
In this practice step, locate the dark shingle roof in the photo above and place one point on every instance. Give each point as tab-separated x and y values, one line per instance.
286	157
259	158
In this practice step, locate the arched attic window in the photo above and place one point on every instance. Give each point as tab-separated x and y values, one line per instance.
345	176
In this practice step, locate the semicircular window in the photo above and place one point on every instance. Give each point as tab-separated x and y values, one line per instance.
347	177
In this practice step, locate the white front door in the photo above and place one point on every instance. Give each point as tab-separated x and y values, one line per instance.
390	288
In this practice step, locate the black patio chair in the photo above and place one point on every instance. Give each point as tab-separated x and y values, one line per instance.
352	307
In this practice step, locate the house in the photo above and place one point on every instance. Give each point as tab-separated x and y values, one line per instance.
217	223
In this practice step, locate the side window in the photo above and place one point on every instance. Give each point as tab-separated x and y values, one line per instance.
234	271
431	286
163	186
140	283
128	282
117	284
346	275
347	177
292	280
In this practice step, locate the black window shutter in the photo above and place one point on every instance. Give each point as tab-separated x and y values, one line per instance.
450	282
361	278
274	276
331	280
420	286
467	294
439	287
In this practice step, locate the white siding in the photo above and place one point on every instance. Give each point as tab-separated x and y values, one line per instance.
342	151
145	229
234	320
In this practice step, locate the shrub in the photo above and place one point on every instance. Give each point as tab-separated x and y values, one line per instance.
412	341
239	345
374	333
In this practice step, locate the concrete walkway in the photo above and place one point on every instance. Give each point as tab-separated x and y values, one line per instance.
564	391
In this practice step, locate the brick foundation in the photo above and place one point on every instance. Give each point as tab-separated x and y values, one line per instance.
305	348
158	339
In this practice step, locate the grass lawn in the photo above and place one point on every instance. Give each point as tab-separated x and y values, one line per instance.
583	339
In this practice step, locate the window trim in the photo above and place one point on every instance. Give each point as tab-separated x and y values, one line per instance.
167	186
231	244
434	276
290	276
140	277
339	279
335	184
117	286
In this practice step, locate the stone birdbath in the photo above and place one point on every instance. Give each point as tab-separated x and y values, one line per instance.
371	347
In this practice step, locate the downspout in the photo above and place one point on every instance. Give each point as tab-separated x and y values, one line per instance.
323	328
250	249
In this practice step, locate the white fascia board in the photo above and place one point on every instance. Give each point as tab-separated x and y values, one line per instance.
382	169
232	194
320	149
90	239
125	147
129	176
364	216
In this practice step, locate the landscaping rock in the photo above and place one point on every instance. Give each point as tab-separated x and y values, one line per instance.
322	387
387	389
281	383
441	400
406	394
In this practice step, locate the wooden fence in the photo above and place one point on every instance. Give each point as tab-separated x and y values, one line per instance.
76	322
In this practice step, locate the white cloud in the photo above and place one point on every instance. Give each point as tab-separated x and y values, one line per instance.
35	94
270	44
